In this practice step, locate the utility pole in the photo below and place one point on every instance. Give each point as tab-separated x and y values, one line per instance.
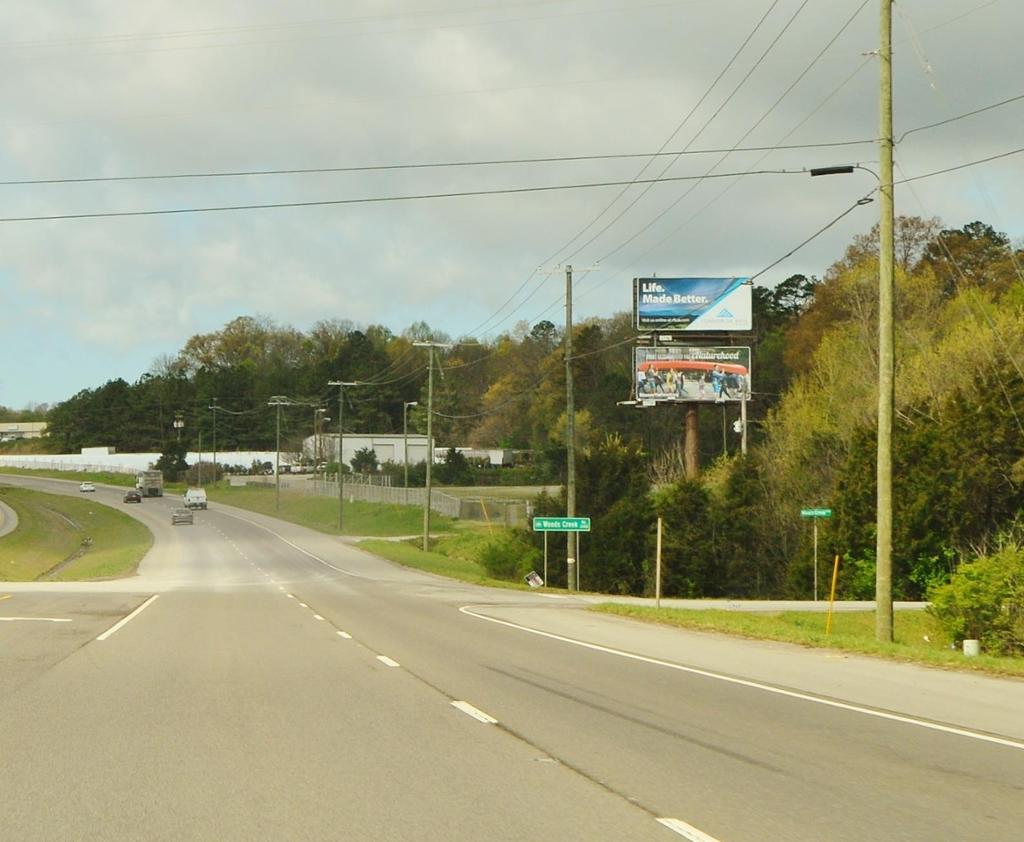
199	464
278	401
886	339
341	384
213	409
430	346
570	438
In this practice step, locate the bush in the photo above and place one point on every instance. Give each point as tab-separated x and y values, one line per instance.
509	556
985	601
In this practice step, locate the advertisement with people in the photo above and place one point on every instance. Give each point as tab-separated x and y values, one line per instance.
695	305
689	373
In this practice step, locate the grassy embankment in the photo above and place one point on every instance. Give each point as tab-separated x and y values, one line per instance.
453	555
918	636
68	539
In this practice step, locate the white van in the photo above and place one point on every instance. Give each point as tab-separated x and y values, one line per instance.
195	498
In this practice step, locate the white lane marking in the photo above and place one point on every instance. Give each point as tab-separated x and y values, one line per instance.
552	596
317	617
345	635
125	620
384	659
767	688
303	605
290	596
476	713
294	546
36	619
687	831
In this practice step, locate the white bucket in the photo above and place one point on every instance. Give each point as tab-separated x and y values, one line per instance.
972	648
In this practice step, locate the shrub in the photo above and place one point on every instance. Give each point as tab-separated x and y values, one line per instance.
985	601
509	556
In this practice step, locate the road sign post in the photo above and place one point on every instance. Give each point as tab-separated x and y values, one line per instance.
563	524
816	515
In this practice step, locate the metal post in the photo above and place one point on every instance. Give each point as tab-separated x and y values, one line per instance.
214	410
886	339
545	558
571	549
430	447
743	421
341	384
405	436
657	569
815	559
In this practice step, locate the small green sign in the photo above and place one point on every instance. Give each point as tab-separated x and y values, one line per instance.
815	513
561	524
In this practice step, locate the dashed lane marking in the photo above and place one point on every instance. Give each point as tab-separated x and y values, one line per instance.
384	659
317	617
345	635
687	831
475	712
35	619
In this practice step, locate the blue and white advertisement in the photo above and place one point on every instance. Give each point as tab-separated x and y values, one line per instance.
696	305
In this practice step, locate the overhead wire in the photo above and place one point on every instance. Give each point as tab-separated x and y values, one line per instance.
378	199
555	254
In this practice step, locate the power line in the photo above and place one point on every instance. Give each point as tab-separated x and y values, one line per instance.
961	116
548	260
961	166
552	159
383	199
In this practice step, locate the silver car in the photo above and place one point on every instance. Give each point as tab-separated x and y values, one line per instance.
181	516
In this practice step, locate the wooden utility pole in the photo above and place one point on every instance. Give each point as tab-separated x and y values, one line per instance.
430	346
570	438
886	339
278	401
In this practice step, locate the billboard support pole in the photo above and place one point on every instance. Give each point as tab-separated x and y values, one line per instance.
691	450
743	421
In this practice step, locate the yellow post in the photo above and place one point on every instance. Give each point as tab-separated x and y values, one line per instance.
487	517
832	596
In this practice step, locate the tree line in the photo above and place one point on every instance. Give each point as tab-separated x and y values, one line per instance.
958	443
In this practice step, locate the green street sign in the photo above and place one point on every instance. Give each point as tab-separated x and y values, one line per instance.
815	513
561	524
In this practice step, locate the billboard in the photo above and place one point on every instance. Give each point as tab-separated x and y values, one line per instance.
693	304
691	373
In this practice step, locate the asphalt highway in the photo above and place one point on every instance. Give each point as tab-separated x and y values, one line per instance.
260	681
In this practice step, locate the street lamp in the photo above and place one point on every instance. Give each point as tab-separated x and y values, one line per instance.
405	436
886	351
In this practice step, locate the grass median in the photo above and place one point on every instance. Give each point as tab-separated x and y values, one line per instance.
918	636
321	513
67	539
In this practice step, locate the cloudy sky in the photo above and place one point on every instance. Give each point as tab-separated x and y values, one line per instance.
115	88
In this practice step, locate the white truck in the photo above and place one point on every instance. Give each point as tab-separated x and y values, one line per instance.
150	483
195	498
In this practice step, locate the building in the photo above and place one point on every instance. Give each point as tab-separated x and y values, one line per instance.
389	447
15	430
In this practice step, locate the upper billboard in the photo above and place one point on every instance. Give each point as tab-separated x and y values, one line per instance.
698	305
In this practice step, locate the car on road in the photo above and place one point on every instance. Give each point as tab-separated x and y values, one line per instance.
87	486
133	495
181	516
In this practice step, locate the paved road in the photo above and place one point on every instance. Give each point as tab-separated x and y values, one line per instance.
281	684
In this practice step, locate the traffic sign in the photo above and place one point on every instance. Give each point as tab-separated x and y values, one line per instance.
561	524
815	513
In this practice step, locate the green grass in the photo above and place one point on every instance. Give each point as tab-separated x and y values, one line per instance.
918	637
321	513
108	478
504	492
453	555
52	528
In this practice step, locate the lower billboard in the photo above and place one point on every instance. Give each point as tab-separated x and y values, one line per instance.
697	373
